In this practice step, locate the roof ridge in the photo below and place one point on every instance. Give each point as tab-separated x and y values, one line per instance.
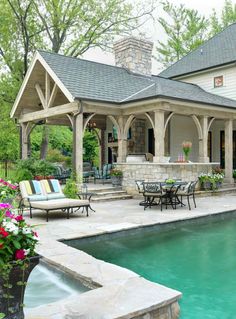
95	62
199	47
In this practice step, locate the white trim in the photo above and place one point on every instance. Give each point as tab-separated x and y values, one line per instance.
194	73
38	57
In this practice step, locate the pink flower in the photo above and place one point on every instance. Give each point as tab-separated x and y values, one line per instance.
5	206
20	254
19	218
9	214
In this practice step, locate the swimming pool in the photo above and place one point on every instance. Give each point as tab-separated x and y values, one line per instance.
47	284
198	260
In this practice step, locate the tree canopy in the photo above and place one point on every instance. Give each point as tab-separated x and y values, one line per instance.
185	29
70	27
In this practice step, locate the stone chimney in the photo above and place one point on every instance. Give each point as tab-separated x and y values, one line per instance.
134	54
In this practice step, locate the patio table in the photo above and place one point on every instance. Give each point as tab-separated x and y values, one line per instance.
171	190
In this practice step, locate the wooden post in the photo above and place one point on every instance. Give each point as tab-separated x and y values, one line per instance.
203	141
159	134
229	151
78	146
24	141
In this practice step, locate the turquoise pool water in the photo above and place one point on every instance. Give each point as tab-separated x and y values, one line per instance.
199	261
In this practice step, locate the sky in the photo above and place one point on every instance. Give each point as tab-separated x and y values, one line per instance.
154	32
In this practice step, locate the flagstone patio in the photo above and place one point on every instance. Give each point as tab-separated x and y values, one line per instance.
123	289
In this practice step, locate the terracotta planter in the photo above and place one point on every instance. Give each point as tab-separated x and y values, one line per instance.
12	307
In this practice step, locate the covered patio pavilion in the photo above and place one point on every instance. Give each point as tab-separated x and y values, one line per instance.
59	90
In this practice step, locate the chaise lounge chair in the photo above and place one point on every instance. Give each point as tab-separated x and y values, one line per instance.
47	195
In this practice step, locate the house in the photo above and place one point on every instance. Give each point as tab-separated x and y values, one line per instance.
134	111
212	66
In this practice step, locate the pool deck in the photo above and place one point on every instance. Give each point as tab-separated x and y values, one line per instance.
121	293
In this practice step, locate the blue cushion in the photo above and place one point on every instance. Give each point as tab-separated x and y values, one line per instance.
55	196
36	197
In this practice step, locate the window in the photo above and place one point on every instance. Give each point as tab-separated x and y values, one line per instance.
218	81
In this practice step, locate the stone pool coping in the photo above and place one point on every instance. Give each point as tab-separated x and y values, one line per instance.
119	293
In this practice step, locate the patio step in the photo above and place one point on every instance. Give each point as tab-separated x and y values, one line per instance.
225	189
114	194
105	189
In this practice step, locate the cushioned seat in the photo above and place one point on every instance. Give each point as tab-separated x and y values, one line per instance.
47	195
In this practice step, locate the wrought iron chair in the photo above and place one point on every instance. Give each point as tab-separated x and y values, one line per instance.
152	190
187	191
139	188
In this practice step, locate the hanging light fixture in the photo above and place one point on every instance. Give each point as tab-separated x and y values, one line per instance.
91	125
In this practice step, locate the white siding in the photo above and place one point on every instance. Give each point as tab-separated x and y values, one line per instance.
206	81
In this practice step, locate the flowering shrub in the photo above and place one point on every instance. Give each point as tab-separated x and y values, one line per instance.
213	179
7	190
17	238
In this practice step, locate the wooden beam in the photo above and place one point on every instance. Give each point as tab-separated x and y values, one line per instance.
52	112
47	88
53	95
181	108
40	95
103	110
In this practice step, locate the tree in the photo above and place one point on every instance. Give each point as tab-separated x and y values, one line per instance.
227	17
74	26
185	30
66	26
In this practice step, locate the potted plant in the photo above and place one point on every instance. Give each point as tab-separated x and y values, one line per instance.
116	177
186	146
17	259
218	179
205	181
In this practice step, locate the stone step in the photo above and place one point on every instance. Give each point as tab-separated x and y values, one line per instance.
111	197
220	191
110	193
104	190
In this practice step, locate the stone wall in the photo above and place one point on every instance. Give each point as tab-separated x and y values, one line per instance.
160	172
134	54
137	143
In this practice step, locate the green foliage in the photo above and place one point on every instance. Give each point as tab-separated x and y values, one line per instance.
71	189
185	28
234	174
55	156
227	17
29	168
91	147
116	172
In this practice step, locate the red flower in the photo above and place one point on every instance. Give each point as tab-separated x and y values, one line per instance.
1	246
3	232
20	254
19	218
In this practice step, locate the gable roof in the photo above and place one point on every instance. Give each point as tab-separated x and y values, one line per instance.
217	51
106	83
80	79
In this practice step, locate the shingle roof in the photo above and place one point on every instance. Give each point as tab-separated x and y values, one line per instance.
95	81
219	50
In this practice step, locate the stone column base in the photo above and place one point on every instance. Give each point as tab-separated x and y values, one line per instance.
159	159
203	159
